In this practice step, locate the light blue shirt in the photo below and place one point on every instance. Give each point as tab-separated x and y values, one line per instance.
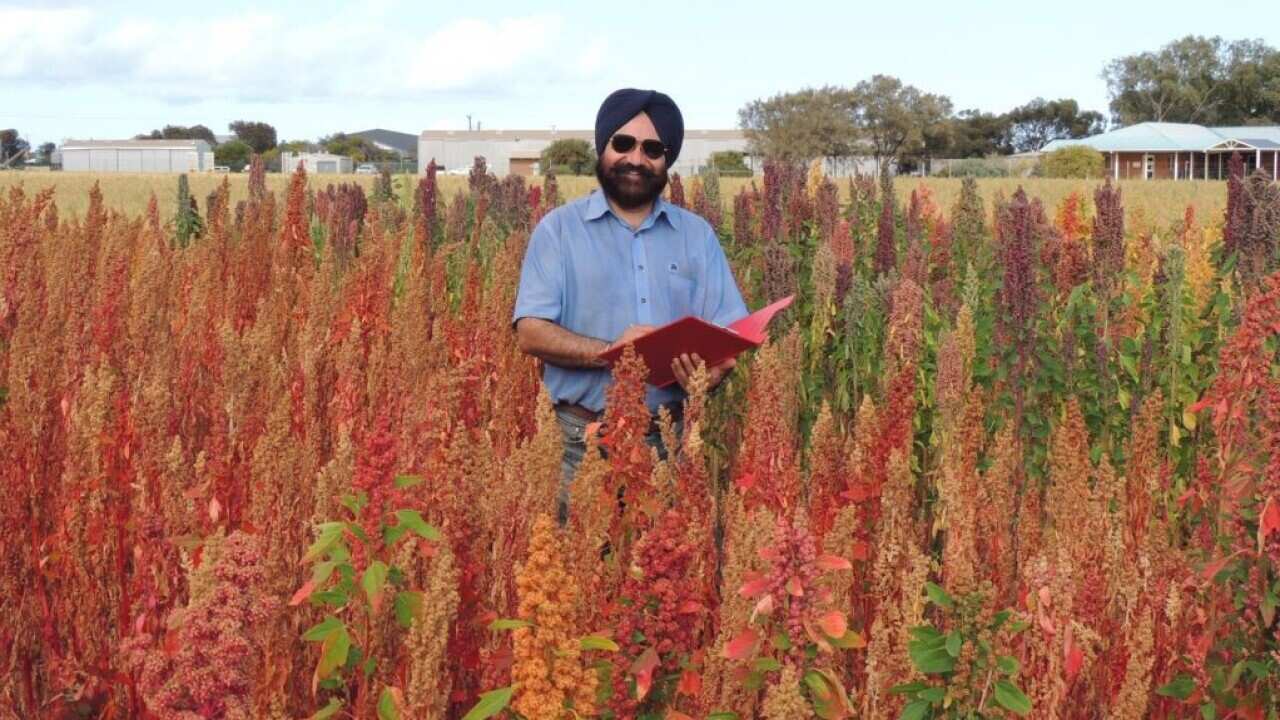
588	271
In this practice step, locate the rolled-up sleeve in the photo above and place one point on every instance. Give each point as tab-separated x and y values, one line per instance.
541	291
723	302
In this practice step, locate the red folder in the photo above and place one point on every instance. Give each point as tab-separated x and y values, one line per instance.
693	335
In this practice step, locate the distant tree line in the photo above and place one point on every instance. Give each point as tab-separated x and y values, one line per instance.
251	137
1193	80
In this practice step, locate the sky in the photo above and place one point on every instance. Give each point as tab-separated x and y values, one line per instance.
110	69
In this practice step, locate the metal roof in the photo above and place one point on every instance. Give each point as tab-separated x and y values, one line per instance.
405	143
150	144
1175	137
1261	143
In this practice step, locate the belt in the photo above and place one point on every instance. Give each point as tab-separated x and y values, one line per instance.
676	409
579	411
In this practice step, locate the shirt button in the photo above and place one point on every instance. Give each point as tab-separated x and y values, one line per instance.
643	300
639	267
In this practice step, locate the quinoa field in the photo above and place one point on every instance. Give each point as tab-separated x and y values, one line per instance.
1014	451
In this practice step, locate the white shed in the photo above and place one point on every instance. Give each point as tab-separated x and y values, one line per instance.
166	156
315	163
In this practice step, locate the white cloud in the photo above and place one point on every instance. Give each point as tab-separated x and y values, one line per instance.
266	58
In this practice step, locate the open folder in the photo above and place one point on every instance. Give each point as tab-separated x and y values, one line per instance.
693	335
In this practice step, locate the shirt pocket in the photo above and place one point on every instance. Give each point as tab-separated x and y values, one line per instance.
683	288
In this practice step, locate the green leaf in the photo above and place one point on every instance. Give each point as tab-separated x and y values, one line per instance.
766	664
410	521
954	641
926	633
408	604
356	530
723	716
781	641
1007	664
333	652
1180	689
328	710
388	708
938	596
933	694
909	688
327	535
354	503
1208	711
375	576
509	624
917	710
598	642
490	704
408	481
1011	698
322	629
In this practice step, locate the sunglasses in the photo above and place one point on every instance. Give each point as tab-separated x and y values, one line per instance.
623	144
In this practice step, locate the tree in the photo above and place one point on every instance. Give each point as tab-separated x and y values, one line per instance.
1078	161
569	156
976	134
259	135
11	145
44	154
1039	121
730	163
896	121
357	148
803	125
235	154
180	132
1197	80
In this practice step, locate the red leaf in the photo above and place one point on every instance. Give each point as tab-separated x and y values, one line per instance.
1074	659
756	584
860	551
743	646
834	624
795	587
690	684
215	509
861	492
832	562
691	607
303	593
643	669
1269	521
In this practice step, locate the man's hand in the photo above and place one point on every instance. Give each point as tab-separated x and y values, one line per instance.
632	334
685	365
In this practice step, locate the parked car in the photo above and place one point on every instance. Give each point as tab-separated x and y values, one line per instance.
367	169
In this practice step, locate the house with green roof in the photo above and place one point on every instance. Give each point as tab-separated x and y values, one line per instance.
1182	151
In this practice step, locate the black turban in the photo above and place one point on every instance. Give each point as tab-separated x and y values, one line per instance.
618	109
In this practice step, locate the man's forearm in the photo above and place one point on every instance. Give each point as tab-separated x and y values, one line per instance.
553	344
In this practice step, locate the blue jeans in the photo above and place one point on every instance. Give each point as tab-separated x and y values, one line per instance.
574	431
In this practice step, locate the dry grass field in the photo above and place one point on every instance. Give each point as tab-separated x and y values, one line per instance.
1161	201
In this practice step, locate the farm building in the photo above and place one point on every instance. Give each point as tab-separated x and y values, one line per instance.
315	163
1180	151
170	156
518	151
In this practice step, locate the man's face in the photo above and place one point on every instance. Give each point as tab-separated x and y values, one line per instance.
632	179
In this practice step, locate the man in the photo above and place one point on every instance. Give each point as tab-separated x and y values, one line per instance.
607	268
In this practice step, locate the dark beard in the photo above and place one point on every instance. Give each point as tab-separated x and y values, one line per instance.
631	193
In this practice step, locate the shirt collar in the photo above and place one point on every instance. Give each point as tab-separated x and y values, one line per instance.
597	206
